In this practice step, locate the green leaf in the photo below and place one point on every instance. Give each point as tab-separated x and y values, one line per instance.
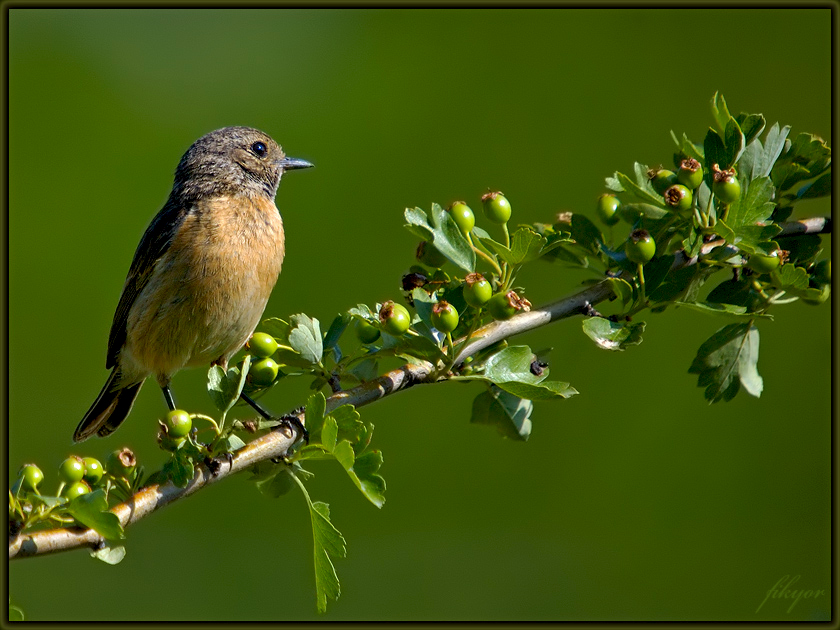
509	414
305	338
277	328
687	148
682	283
108	554
820	187
643	194
337	328
727	361
720	111
749	238
277	485
526	245
632	211
91	510
510	370
327	541
790	277
440	229
715	152
329	433
808	157
613	184
179	469
363	472
733	141
610	335
774	143
413	346
754	205
316	408
622	289
225	387
752	125
803	248
423	303
719	308
544	390
586	234
349	423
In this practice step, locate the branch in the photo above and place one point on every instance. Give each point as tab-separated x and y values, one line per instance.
277	443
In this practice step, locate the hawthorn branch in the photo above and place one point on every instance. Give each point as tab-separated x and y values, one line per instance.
277	442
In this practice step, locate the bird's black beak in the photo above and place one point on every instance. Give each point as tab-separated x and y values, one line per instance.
289	164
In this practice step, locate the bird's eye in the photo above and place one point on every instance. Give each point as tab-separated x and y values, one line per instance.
259	148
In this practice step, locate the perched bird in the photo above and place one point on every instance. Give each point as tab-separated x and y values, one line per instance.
203	271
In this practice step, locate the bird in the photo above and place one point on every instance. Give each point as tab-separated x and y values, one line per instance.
202	273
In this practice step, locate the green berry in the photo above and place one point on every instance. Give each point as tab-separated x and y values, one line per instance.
822	271
262	345
178	422
690	174
640	247
394	318
477	290
662	179
496	207
760	263
75	489
463	216
444	317
506	305
30	476
121	463
678	198
725	184
607	209
93	470
71	469
366	332
263	372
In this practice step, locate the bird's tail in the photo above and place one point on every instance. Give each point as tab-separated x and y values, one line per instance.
112	406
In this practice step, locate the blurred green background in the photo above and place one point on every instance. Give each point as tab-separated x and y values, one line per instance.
633	500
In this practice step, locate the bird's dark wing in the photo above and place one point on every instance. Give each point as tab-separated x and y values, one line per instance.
153	245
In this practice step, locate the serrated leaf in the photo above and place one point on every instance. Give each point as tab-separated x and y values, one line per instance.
719	308
751	125
715	152
423	303
337	327
414	346
91	510
720	111
613	184
349	423
305	338
277	328
632	211
820	187
622	289
225	387
363	472
440	229
329	433
327	541
790	277
586	234
644	195
803	248
774	143
733	141
277	485
610	335
753	206
316	407
544	390
727	361
509	414
525	245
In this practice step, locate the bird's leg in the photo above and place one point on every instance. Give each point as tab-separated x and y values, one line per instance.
290	421
167	394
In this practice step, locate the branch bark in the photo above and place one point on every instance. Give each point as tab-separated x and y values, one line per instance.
277	443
